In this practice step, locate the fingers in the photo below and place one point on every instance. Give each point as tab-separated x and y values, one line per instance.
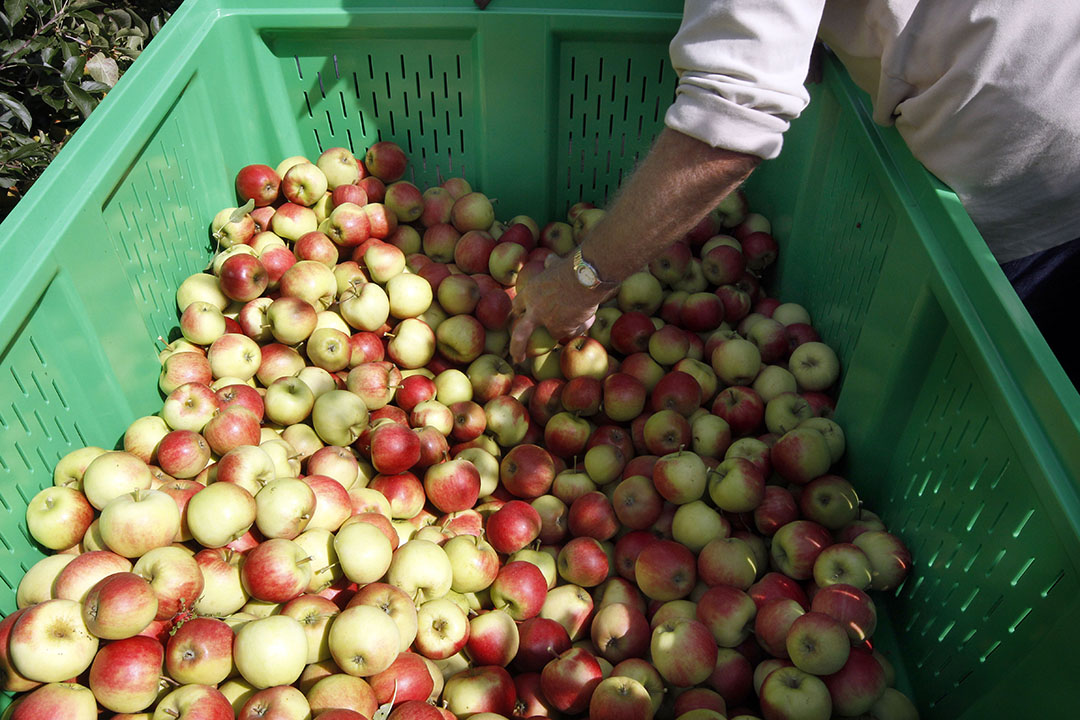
519	338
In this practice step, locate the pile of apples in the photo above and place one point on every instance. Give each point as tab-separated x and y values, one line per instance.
352	505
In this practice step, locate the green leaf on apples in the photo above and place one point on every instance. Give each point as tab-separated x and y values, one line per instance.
384	710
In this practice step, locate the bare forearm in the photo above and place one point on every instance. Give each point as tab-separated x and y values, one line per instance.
680	180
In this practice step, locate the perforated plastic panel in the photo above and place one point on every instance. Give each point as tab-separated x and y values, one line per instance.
419	92
158	218
612	100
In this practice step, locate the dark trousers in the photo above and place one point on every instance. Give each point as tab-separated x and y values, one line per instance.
1047	283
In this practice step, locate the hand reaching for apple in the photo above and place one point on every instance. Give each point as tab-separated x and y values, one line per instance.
556	300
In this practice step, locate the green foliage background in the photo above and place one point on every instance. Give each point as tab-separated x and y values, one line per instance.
58	59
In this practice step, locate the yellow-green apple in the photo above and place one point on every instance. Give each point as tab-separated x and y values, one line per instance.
270	651
409	295
755	450
834	434
220	513
474	563
569	485
70	701
335	462
642	671
422	569
339	166
458	293
200	286
69	470
312	281
276	570
558	237
137	522
736	361
683	651
669	345
364	640
223	591
641	292
513	526
569	680
374	382
234	355
842	563
460	338
620	631
680	477
338	692
200	651
472	211
50	642
439	243
315	614
620	698
175	578
394	602
817	643
383	261
228	232
339	416
112	474
283	508
190	407
711	435
667	432
304	183
278	361
332	506
201	322
894	704
484	689
119	606
890	559
318	543
442	629
790	693
74	579
695	524
490	376
665	570
814	365
291	320
572	607
584	357
58	517
727	561
363	551
412	344
729	614
785	412
280	701
736	485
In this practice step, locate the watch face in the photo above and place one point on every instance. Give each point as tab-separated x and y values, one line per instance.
586	276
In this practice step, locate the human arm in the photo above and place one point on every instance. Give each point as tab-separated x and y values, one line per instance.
741	68
680	180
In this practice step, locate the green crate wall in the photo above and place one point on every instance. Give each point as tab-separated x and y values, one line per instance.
962	428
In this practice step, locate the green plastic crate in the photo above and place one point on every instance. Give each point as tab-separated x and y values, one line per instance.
962	428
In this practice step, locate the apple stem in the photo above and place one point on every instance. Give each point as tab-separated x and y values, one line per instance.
168	681
170	712
163	341
305	560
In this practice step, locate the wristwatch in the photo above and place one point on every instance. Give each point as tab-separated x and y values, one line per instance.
587	275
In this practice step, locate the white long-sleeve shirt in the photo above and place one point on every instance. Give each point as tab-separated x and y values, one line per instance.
986	93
